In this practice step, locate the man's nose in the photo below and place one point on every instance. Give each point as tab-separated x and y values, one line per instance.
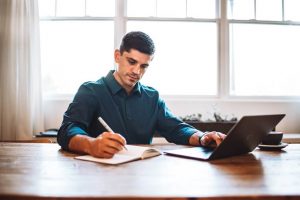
136	69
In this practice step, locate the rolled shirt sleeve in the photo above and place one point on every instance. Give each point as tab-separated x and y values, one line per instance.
172	128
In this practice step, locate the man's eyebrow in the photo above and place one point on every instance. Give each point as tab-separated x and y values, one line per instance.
131	59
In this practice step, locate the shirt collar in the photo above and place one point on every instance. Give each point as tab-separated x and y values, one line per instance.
115	87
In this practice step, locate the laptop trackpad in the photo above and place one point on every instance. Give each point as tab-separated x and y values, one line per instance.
200	153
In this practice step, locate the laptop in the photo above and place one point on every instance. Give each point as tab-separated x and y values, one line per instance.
242	138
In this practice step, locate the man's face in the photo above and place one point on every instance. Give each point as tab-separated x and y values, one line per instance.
131	67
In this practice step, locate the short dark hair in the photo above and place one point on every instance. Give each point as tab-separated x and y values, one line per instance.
139	41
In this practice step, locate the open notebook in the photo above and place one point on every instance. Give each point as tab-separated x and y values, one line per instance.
132	153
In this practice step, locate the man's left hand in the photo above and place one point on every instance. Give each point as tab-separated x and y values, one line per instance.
212	138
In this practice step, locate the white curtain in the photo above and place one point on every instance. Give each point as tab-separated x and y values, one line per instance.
20	74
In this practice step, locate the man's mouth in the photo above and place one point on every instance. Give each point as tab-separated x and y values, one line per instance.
133	78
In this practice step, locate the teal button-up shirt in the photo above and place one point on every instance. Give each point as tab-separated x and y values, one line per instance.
136	116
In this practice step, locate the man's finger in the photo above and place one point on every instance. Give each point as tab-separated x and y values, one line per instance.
107	155
115	144
114	136
119	138
205	140
112	148
212	137
221	135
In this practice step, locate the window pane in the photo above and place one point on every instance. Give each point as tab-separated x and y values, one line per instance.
186	57
264	60
141	8
74	52
292	8
241	9
70	8
47	8
269	10
100	8
171	8
201	8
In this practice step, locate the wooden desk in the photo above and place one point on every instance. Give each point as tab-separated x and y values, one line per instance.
43	171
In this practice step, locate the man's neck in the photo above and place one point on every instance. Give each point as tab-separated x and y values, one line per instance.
127	89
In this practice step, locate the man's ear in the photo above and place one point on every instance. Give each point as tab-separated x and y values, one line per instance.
117	55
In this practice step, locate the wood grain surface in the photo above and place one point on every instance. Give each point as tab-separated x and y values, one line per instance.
44	171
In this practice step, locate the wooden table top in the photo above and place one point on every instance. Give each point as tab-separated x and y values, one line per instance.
44	171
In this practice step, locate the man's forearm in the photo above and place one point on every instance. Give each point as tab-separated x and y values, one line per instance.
80	143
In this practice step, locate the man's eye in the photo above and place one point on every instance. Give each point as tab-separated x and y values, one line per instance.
132	62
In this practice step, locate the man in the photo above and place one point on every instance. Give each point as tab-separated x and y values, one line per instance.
132	110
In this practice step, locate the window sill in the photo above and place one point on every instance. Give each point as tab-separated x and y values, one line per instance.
291	138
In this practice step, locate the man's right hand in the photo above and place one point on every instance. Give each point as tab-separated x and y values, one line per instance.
104	146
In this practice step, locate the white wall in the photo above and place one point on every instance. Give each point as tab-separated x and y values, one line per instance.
54	110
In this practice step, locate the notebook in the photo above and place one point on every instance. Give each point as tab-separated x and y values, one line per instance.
242	138
132	153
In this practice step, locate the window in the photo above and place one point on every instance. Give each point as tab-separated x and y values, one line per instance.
264	44
77	43
74	52
187	47
78	37
215	48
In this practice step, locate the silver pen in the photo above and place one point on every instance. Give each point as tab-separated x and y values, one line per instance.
107	127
